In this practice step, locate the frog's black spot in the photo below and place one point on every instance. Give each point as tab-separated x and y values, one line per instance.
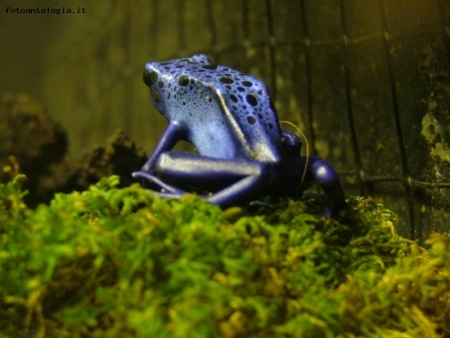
251	119
241	89
210	66
183	80
165	63
251	99
233	98
155	97
260	116
270	125
179	66
225	79
150	77
167	67
247	83
168	96
160	84
260	92
228	87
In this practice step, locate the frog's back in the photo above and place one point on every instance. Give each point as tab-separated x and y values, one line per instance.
227	113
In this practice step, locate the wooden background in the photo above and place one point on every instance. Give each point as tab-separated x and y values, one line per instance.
350	73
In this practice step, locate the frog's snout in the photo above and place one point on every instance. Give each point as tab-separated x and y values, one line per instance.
150	76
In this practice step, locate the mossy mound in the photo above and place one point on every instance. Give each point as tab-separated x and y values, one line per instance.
112	262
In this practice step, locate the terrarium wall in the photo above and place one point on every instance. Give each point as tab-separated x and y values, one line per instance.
366	81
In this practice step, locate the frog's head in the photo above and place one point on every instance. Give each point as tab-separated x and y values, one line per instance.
161	78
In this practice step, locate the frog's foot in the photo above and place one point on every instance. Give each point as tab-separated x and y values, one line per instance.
328	179
166	190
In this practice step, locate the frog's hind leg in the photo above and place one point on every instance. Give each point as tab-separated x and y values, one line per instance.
229	181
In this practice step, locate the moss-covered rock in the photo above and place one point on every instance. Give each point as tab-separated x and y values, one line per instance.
121	262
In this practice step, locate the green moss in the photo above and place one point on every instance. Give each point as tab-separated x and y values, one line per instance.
113	262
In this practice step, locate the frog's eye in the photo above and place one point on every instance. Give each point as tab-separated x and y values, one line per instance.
150	77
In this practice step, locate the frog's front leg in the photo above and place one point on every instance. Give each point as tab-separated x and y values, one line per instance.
231	181
171	136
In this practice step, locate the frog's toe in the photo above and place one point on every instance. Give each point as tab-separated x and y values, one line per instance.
165	189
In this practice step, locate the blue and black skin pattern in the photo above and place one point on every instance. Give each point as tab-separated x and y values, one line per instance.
242	153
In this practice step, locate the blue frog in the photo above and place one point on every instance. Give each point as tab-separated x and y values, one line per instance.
242	153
